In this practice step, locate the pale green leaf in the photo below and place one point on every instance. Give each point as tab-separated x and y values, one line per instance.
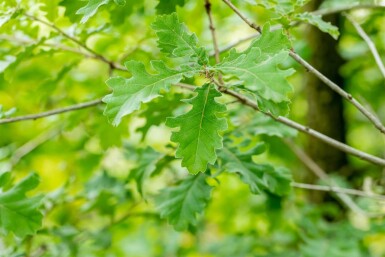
317	21
142	87
258	69
259	177
260	73
146	165
90	9
175	39
20	214
168	6
271	42
280	7
181	204
198	136
5	16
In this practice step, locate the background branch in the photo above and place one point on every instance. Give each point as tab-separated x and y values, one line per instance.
369	42
96	55
52	112
313	167
335	189
376	122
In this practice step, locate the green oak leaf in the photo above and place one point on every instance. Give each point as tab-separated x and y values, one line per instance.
280	7
259	73
120	2
317	21
103	193
71	7
142	87
175	39
146	165
198	136
90	9
181	204
270	42
168	6
259	177
20	214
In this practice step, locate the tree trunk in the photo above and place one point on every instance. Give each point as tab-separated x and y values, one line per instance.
325	107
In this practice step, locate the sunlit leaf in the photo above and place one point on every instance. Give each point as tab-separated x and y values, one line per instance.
198	136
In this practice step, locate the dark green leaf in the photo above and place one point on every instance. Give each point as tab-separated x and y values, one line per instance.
181	204
20	214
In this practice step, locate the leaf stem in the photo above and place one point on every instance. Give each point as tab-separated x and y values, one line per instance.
214	37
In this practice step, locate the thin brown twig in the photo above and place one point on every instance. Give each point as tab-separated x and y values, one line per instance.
96	55
214	37
52	112
244	18
372	118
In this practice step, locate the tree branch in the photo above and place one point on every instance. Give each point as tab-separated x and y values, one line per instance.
31	145
52	112
214	37
328	11
336	189
328	140
112	64
242	99
313	167
372	118
369	42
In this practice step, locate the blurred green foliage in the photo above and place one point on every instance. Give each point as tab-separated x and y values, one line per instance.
92	189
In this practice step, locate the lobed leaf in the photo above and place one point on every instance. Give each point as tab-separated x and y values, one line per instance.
259	177
198	136
317	21
147	160
142	87
90	9
168	6
20	214
175	39
180	204
260	73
